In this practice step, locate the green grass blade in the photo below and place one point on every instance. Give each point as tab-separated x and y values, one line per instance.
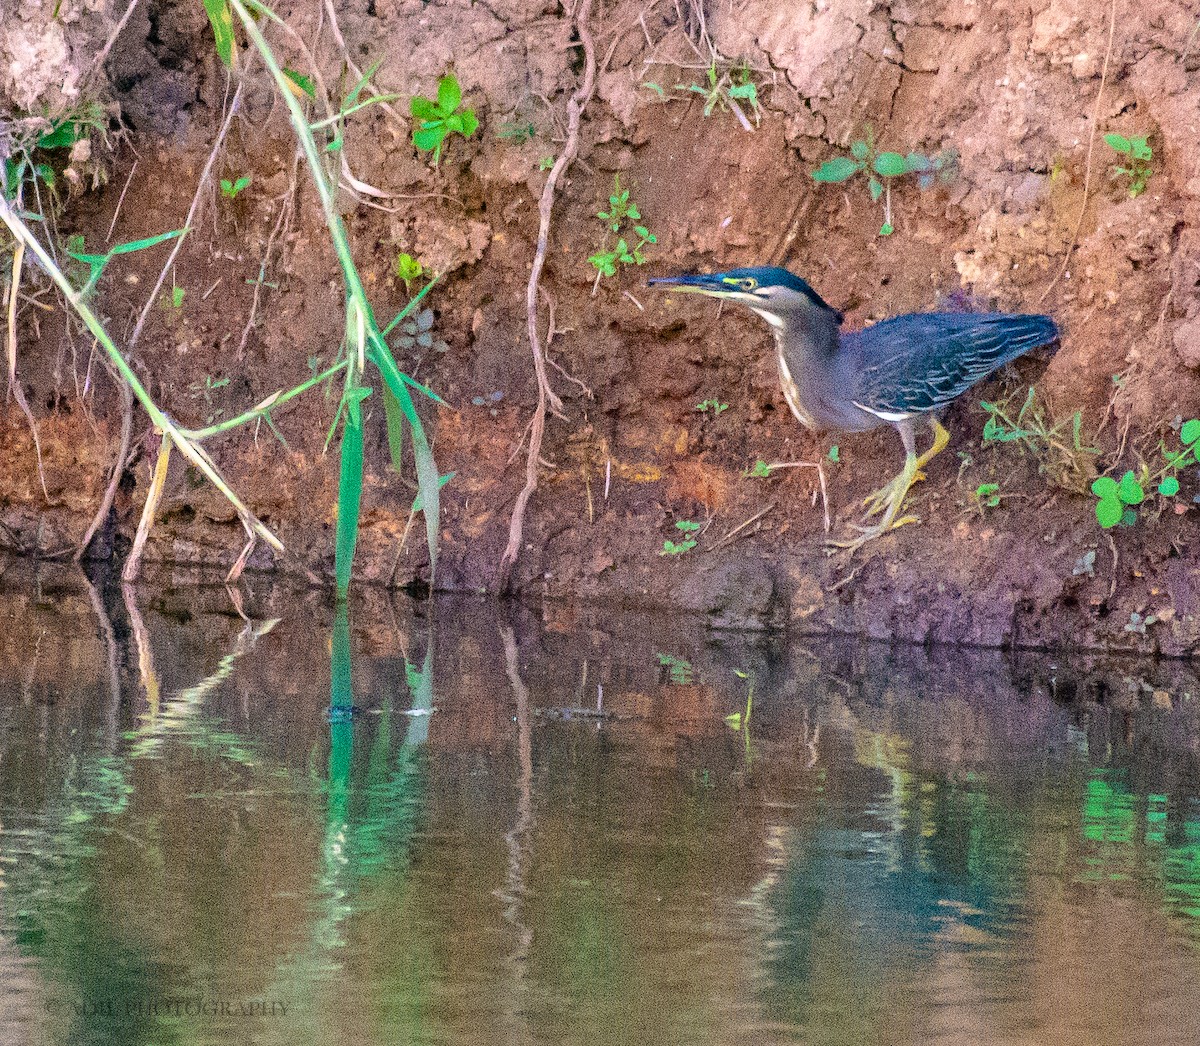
350	483
221	20
427	472
395	427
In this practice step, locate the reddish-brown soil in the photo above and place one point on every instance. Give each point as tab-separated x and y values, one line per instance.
1011	85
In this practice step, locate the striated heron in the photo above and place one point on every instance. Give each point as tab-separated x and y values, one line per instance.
890	373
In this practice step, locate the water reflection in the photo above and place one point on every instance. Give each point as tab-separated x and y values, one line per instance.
228	821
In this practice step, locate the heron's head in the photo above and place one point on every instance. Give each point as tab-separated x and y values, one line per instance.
774	293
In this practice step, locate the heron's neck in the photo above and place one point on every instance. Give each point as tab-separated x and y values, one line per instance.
811	330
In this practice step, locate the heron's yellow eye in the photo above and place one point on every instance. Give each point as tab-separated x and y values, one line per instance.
749	283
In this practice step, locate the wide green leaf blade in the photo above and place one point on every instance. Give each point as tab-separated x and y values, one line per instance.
424	109
836	170
429	138
350	481
449	94
470	123
1118	142
1190	432
890	165
221	20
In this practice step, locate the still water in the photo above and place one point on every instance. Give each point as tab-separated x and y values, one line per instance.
458	823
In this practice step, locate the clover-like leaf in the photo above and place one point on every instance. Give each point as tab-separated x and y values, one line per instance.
1129	490
1105	487
1169	487
1108	512
1190	432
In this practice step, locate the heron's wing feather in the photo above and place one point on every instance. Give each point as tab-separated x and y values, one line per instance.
920	362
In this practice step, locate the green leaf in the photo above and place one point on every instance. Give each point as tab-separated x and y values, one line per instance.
687	526
1129	490
304	83
1169	487
657	89
1190	432
1141	151
918	162
470	124
429	138
1129	517
449	94
357	89
62	135
1118	142
836	170
890	165
418	505
876	188
1105	487
886	229
424	109
395	427
349	489
1108	512
859	150
221	19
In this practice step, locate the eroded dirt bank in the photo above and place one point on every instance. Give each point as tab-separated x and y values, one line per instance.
1011	87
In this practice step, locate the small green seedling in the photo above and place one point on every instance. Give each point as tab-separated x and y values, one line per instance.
724	91
834	454
1068	461
231	189
177	296
622	216
408	269
678	669
441	118
545	163
761	470
1116	502
882	168
985	496
677	548
1135	167
716	406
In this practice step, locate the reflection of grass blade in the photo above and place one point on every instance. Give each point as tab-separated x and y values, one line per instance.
349	491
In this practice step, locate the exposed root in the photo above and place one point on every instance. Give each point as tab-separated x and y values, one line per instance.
547	399
14	386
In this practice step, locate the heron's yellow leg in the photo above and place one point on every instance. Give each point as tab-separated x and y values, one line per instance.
892	500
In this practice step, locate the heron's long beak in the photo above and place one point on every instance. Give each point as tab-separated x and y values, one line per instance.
713	284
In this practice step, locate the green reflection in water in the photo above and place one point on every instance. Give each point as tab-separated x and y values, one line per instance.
1147	838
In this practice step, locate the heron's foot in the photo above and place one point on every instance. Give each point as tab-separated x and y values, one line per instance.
897	490
890	501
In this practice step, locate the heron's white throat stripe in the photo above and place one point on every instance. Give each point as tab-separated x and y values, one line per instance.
770	317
